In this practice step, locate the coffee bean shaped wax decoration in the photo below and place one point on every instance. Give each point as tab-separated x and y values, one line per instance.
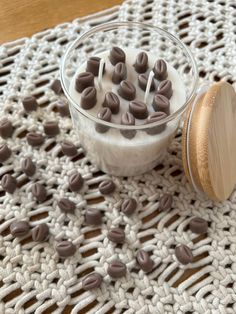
142	82
6	128
129	206
128	119
160	70
119	73
9	183
161	103
112	101
56	87
65	249
165	202
138	109
30	103
92	281
19	228
93	64
198	225
66	205
116	269
35	139
69	149
88	98
184	254
93	216
141	63
28	167
116	55
155	117
40	233
84	80
116	235
75	182
105	115
5	152
39	192
51	128
144	261
63	108
107	187
165	88
127	90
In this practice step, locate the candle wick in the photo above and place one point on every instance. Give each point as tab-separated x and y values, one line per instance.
148	87
100	73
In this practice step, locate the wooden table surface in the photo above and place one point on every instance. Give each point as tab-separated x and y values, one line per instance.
20	18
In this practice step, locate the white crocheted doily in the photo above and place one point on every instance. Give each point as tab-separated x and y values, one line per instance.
32	278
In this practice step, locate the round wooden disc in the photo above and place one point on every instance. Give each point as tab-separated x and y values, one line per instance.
211	137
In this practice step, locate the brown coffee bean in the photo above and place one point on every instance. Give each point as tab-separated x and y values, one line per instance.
30	103
144	260
28	167
84	80
161	103
105	115
116	269
40	233
88	98
138	109
5	152
75	182
112	101
160	70
19	228
198	225
35	139
155	117
66	205
129	206
65	249
93	64
92	281
56	87
51	128
128	119
69	149
39	192
165	88
127	90
116	55
141	63
184	254
107	187
165	202
63	108
142	82
120	73
93	216
6	128
116	235
9	183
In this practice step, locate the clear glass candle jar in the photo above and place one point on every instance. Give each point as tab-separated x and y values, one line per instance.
128	150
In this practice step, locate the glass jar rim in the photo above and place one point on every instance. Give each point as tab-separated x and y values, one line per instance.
114	25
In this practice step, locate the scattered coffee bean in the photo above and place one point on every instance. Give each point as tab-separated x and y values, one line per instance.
144	261
138	109
116	269
5	152
51	128
28	166
128	119
160	70
161	103
6	128
93	216
69	149
105	115
127	90
39	192
88	98
112	101
155	117
129	206
165	88
92	281
63	108
119	73
65	249
116	235
35	139
40	233
75	182
184	254
9	183
142	82
84	80
165	202
66	205
107	187
198	225
19	228
30	103
116	55
56	87
141	63
93	64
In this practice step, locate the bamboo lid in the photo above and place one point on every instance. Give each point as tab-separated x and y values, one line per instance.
209	142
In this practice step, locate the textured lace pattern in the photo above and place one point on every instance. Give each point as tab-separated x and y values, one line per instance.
32	277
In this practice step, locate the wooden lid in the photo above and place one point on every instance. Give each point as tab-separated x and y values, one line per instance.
209	142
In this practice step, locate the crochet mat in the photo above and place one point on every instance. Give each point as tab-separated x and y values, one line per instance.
32	277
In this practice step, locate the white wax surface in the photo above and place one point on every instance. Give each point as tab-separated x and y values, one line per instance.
111	151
